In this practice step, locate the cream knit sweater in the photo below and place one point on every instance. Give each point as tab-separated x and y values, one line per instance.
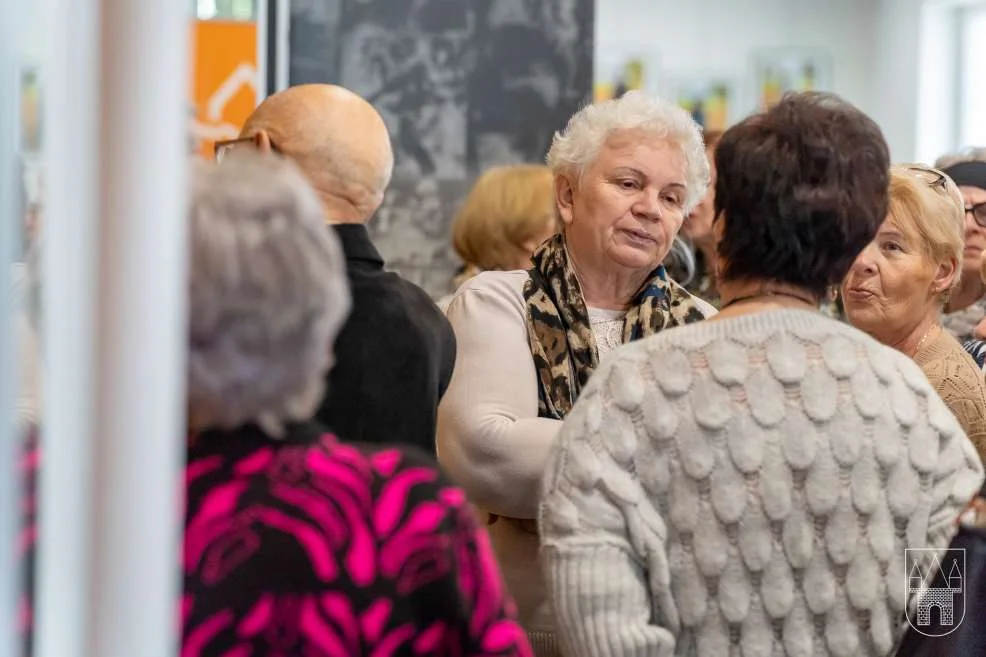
747	486
490	438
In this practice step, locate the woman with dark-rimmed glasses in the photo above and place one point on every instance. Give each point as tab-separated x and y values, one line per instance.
967	308
899	284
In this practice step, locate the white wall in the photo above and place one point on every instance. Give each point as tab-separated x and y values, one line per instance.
717	37
889	57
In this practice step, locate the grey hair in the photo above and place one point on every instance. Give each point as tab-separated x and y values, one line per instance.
574	149
268	294
680	261
971	154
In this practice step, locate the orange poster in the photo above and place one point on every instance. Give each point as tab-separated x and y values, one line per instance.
224	80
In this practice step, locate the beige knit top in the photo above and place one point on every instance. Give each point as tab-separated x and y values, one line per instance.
959	382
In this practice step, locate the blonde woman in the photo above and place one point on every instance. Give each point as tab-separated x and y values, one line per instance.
508	213
899	284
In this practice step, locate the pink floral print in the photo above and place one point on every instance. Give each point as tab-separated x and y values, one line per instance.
315	548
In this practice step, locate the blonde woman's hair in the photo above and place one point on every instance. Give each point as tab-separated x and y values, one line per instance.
928	207
507	208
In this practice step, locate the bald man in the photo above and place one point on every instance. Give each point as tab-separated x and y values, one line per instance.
395	354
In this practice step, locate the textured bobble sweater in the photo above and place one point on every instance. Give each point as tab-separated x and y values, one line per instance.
747	486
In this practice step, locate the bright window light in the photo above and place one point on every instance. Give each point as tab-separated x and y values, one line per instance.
972	126
206	9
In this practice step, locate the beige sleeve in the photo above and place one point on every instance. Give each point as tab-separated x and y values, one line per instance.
490	438
963	394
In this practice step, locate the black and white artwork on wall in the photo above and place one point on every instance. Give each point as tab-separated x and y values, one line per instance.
462	84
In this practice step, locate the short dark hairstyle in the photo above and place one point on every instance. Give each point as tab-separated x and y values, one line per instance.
802	189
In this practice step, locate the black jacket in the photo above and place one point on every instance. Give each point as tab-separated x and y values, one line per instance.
393	357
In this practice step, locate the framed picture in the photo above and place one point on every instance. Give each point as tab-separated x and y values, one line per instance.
614	75
30	111
712	100
780	70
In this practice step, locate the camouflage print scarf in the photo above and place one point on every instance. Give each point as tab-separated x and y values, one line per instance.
562	343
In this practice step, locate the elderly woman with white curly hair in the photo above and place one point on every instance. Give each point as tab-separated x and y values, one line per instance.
626	174
295	543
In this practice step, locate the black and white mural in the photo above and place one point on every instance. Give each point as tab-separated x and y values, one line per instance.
463	85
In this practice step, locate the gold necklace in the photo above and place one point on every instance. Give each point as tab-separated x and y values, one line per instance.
925	337
765	294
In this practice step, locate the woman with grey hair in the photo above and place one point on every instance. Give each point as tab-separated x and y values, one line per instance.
966	309
297	544
626	174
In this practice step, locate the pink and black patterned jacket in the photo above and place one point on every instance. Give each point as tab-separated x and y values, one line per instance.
309	547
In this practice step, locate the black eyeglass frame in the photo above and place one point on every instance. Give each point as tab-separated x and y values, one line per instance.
978	212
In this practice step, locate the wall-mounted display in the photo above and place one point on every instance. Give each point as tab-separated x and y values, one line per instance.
780	70
710	99
613	77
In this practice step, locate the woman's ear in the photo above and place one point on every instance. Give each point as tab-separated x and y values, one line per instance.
564	198
946	273
262	141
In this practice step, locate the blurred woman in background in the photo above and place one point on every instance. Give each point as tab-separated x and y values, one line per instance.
967	307
296	544
508	213
697	229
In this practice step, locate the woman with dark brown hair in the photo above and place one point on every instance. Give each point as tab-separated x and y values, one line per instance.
749	484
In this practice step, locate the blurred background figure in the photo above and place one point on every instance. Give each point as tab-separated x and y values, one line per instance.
697	229
296	544
396	350
967	308
976	346
747	484
508	213
900	282
627	172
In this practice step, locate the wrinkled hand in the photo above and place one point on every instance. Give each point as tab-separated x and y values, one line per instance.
974	514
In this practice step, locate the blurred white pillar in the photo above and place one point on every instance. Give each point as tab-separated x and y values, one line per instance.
9	227
141	329
115	329
69	243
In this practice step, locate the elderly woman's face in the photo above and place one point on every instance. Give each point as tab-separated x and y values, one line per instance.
628	206
892	284
975	235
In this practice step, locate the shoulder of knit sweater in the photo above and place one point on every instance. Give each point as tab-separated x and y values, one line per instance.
761	328
948	348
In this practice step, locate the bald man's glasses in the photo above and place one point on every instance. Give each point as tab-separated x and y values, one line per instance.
224	148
